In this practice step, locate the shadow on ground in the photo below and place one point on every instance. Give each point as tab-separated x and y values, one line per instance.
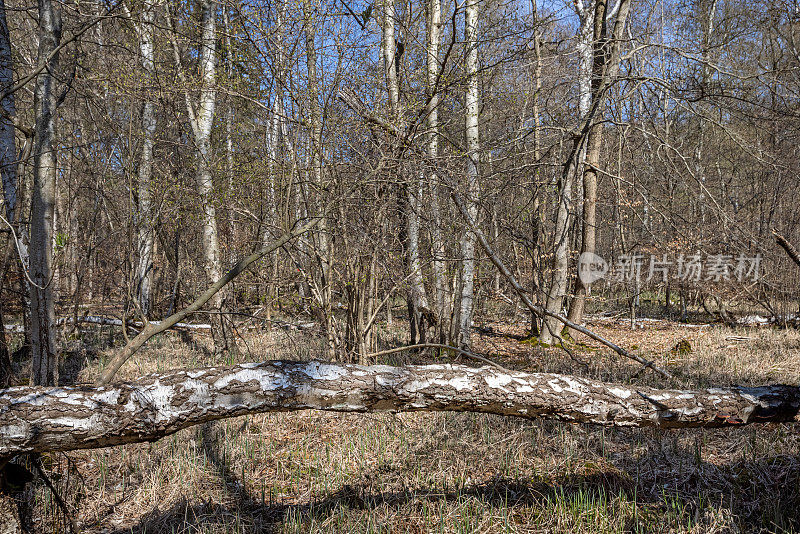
667	490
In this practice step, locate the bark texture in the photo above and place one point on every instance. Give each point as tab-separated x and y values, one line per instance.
441	294
787	247
8	151
324	244
471	102
144	211
39	419
44	363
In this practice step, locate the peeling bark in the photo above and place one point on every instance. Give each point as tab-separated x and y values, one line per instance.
39	419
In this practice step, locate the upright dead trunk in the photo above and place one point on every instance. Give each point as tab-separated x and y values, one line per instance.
473	159
144	208
44	364
325	247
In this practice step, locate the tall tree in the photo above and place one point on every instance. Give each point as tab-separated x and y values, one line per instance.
472	105
606	64
557	290
324	252
44	363
201	119
442	296
144	212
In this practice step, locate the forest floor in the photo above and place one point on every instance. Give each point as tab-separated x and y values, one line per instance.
447	472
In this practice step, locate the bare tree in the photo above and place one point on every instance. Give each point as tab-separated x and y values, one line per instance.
44	365
145	223
472	110
606	64
201	120
324	252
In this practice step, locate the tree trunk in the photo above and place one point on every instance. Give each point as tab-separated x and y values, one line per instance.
8	172
473	161
47	419
44	365
325	247
556	292
411	188
8	147
441	293
144	211
202	121
596	35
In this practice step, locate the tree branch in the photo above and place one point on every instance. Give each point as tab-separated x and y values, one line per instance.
154	328
788	247
459	202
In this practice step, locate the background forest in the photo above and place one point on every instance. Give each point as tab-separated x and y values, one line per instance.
370	175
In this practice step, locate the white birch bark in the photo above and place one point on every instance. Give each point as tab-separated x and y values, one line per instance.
606	64
433	69
416	297
44	363
50	419
325	249
201	120
144	211
473	160
557	290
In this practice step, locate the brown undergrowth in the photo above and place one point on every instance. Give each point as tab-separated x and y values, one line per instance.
326	472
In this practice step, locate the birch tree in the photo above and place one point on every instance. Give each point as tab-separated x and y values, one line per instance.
557	290
160	404
472	110
442	295
324	252
201	120
144	212
410	186
44	362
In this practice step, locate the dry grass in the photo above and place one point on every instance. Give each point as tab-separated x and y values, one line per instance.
325	472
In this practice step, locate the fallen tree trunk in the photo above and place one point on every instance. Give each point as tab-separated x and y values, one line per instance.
40	419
